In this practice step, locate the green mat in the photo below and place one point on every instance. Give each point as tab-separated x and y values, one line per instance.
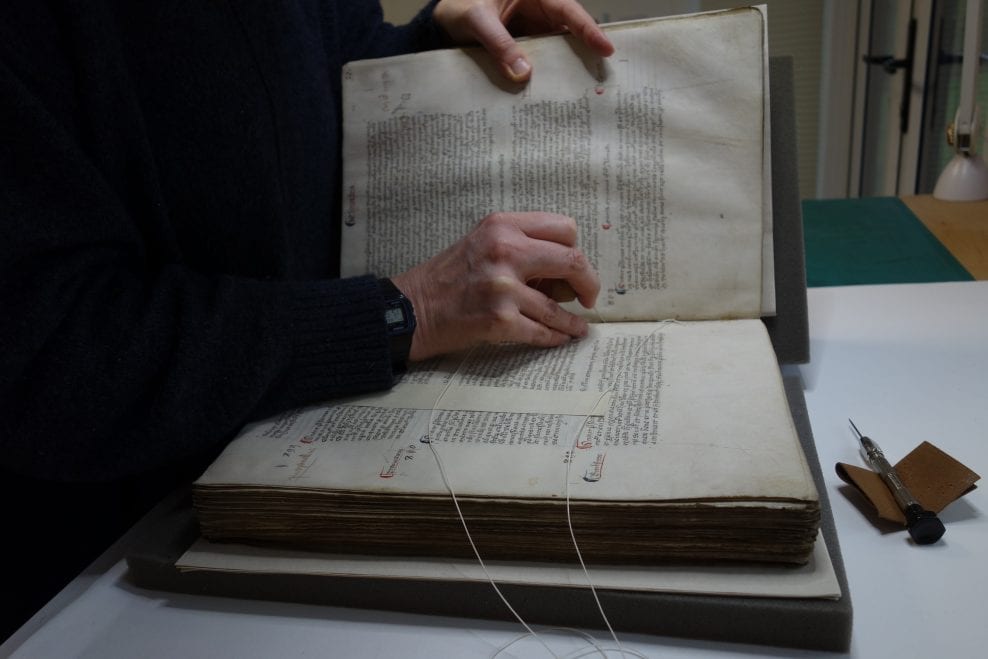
874	240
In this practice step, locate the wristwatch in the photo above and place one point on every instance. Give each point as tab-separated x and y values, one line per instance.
399	316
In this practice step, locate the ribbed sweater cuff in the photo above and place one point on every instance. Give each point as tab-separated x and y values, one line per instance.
340	340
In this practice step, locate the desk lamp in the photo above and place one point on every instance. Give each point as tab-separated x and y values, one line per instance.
966	176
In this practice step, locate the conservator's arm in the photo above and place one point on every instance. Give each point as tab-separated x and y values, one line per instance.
116	358
119	353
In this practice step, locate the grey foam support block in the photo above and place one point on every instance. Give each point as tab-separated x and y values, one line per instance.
789	328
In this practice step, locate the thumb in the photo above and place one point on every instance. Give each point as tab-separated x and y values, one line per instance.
495	38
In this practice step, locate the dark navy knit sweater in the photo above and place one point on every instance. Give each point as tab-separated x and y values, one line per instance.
169	230
170	211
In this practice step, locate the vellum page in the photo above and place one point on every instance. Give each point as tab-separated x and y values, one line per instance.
657	152
696	411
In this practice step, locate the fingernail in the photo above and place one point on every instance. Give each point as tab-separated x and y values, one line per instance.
520	67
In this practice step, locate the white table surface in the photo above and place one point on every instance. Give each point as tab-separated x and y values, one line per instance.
906	362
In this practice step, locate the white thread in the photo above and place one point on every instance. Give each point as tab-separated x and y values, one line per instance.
532	634
569	521
568	630
604	651
463	521
442	472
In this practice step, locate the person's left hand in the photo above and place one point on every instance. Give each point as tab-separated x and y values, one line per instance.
486	22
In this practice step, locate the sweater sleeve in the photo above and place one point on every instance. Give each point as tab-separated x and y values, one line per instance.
114	359
367	35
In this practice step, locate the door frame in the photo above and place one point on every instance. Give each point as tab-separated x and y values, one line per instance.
843	104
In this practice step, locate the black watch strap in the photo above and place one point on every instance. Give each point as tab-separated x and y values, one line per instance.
399	316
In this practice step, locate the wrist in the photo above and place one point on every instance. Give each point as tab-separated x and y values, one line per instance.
400	323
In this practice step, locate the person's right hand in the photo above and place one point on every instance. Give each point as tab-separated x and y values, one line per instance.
487	287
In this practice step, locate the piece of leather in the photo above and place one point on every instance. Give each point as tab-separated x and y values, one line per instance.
933	477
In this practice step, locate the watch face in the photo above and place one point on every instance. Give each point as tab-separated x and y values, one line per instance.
394	316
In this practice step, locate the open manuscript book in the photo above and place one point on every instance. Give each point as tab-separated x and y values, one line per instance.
665	435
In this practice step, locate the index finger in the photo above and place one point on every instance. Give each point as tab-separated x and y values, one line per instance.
547	226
